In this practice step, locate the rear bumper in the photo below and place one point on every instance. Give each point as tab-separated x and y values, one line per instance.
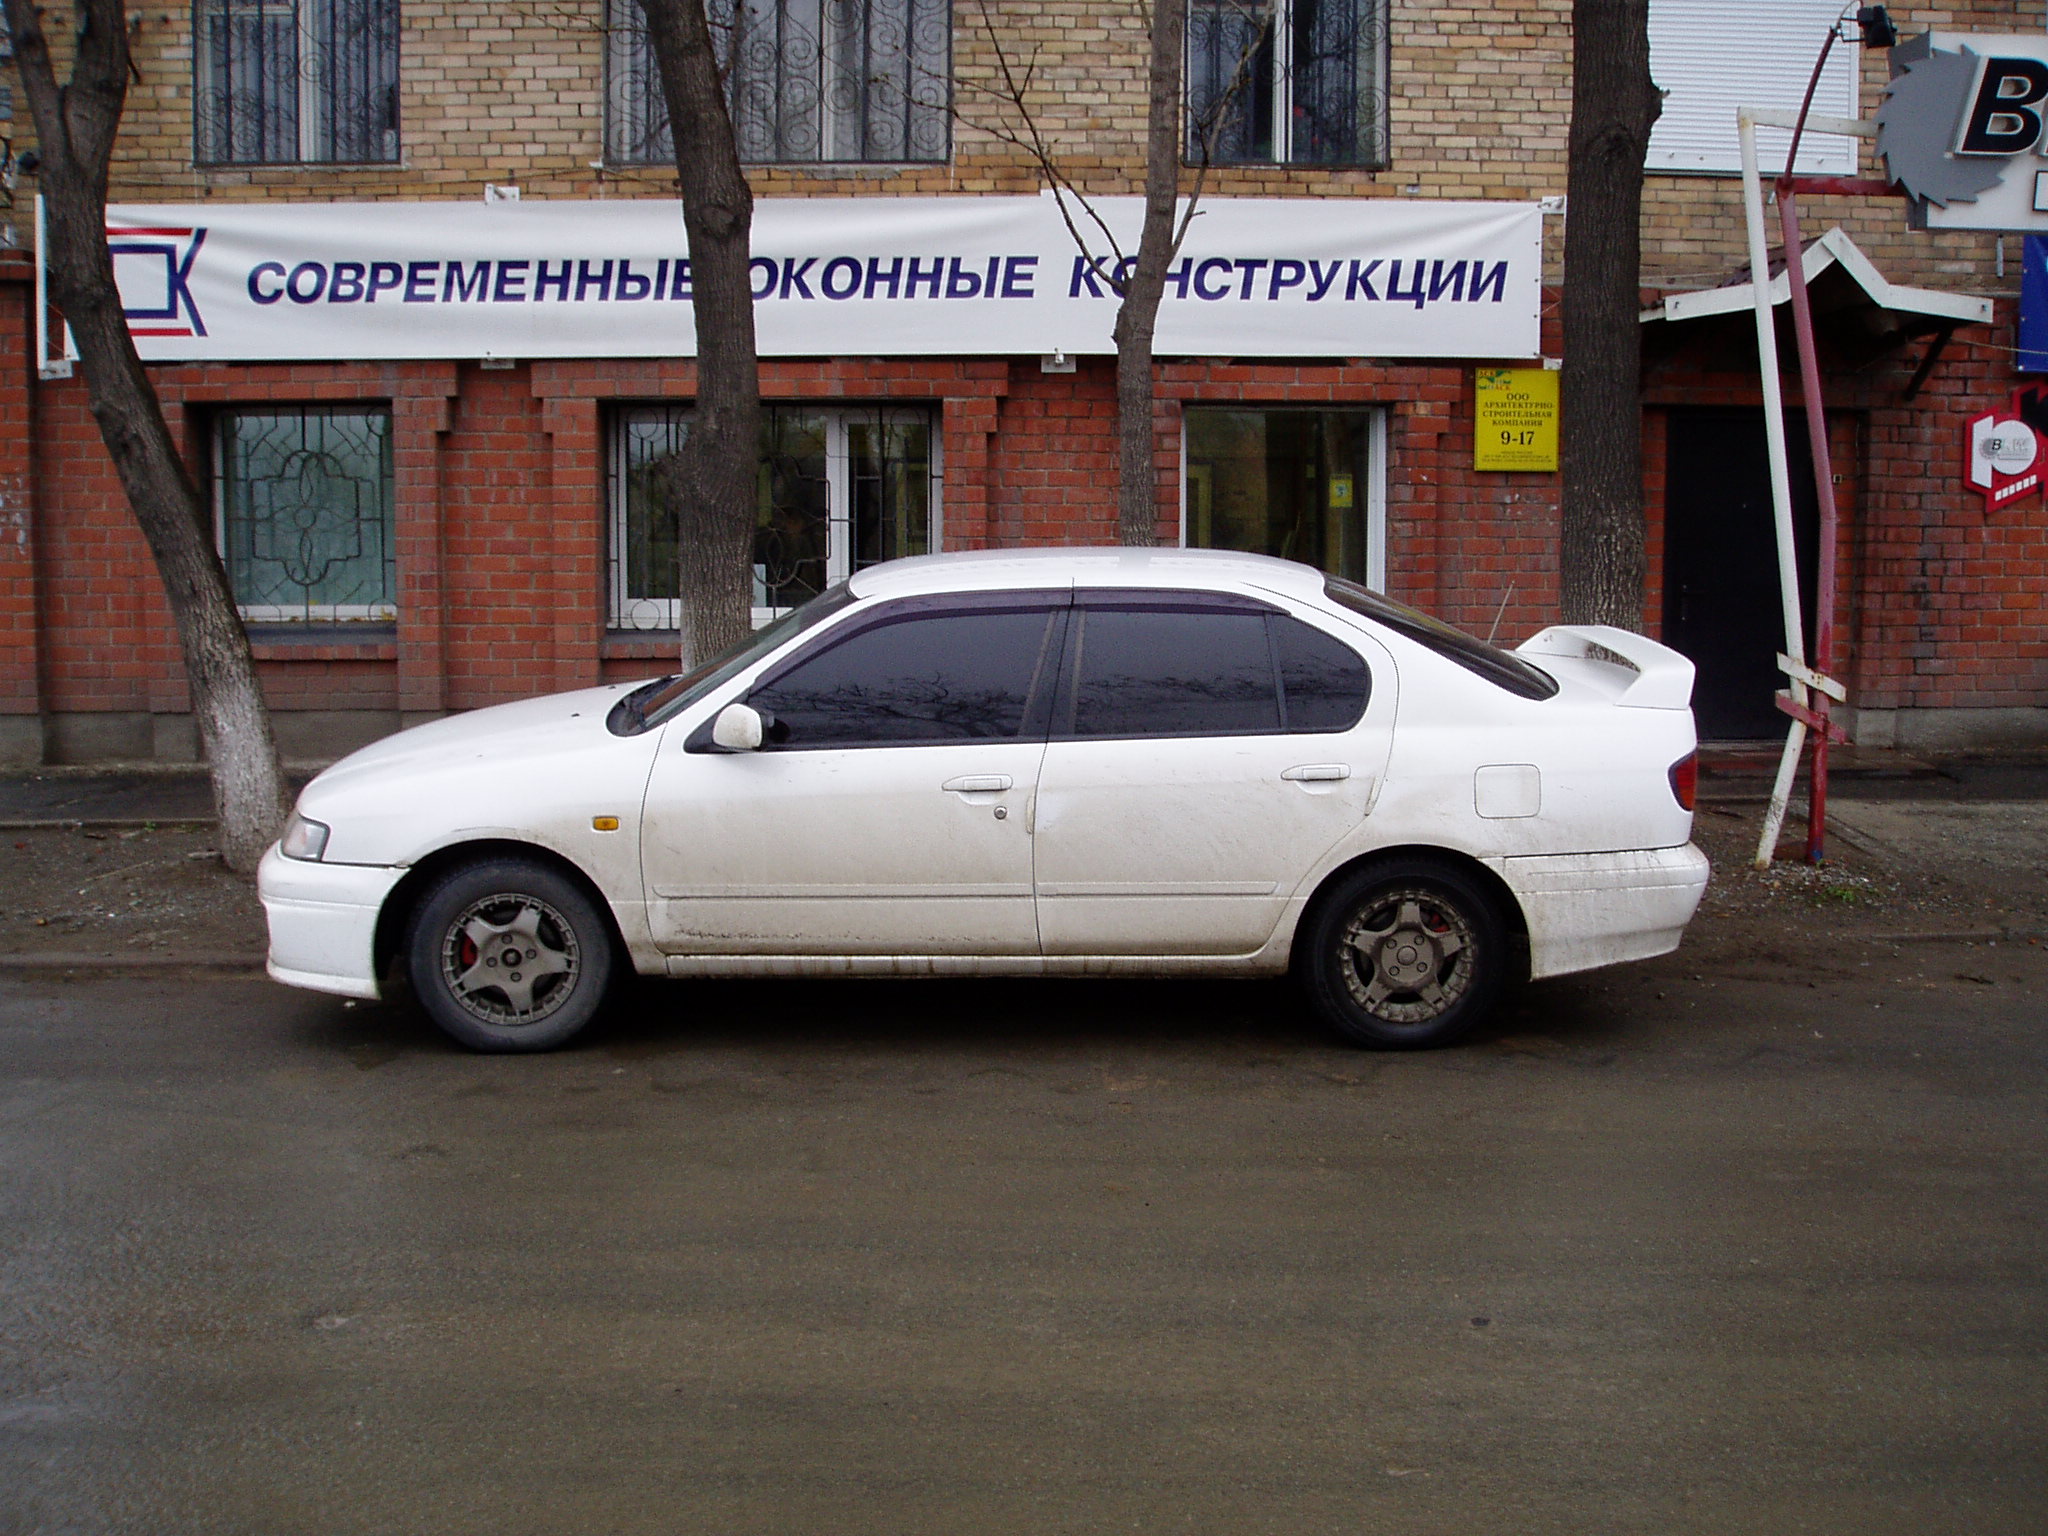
1592	909
323	922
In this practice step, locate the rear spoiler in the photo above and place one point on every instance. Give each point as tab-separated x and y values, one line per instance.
1663	677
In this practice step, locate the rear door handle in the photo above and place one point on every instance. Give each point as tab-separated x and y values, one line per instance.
1318	772
978	783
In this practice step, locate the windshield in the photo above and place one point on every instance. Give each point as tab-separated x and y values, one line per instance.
1504	669
653	703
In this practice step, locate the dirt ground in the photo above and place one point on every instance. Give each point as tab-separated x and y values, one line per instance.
1914	867
1895	867
130	891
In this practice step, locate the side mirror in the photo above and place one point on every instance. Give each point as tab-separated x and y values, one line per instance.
738	728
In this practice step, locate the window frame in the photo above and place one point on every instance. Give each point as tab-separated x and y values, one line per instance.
311	87
624	34
304	617
1375	508
1054	602
1065	695
629	615
1378	133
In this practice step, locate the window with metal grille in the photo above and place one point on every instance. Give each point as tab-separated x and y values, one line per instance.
291	81
838	490
1300	82
302	503
807	80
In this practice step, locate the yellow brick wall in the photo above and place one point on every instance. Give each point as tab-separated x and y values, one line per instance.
1479	103
1693	234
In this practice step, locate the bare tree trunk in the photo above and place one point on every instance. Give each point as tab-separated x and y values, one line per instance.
1138	316
716	473
75	127
1614	104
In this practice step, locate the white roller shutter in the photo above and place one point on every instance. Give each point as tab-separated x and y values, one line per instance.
1711	58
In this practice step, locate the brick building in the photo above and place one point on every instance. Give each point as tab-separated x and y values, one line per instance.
414	531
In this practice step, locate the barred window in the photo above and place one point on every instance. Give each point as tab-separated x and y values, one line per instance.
1300	82
807	80
839	490
290	81
303	501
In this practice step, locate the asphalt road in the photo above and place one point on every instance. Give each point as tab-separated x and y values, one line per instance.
1662	1254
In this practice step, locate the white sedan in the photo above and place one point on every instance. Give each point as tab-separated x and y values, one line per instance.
1032	762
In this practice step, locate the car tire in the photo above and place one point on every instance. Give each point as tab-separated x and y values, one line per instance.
1404	954
509	955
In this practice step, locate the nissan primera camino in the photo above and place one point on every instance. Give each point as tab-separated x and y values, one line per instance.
1044	762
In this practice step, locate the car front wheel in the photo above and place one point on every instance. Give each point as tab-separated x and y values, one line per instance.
1406	953
508	955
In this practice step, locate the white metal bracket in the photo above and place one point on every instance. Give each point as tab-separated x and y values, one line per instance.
1819	682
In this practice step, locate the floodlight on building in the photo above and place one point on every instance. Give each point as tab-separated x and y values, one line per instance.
1876	26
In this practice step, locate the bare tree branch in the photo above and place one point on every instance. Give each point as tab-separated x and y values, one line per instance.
1138	280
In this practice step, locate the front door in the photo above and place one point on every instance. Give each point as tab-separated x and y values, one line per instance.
1721	592
1206	752
888	814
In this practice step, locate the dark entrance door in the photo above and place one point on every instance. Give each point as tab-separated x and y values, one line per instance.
1721	604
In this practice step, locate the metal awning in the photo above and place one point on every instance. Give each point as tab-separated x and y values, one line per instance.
1853	284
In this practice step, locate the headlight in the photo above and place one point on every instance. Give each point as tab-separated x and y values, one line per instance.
303	839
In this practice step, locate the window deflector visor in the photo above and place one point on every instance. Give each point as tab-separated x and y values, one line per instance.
655	703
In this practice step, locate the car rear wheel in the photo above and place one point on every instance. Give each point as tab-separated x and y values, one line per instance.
1405	953
508	955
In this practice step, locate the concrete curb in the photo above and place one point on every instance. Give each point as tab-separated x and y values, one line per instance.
1947	936
111	823
142	967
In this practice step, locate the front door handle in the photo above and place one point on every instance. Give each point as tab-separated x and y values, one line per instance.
1315	773
978	783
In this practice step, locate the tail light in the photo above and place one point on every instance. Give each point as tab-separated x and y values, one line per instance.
1685	779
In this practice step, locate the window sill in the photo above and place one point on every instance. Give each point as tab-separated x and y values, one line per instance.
646	645
871	169
207	166
1368	167
361	650
323	642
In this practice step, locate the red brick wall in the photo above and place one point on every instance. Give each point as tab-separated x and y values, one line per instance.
1940	601
501	519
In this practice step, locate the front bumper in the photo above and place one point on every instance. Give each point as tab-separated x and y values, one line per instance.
1592	909
323	922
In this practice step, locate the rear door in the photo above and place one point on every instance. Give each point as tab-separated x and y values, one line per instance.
1205	751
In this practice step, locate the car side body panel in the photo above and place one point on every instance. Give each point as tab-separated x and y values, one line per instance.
1565	799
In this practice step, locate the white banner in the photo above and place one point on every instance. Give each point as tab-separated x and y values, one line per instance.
873	276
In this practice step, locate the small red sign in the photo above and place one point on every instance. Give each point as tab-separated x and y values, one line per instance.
2006	450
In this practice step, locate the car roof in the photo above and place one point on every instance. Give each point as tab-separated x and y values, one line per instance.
986	570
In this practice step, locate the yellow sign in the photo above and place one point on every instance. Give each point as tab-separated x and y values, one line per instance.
1517	419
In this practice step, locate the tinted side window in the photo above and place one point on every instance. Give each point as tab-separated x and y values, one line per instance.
1504	669
924	679
1167	673
1324	682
